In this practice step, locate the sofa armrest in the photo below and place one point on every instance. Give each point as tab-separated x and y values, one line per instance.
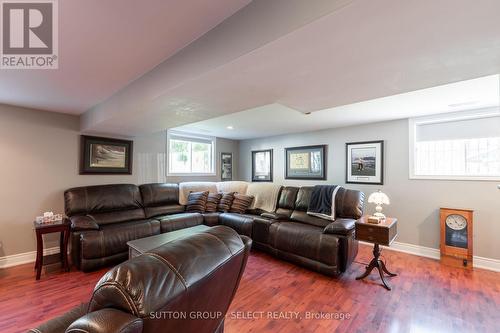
274	216
107	321
340	227
81	223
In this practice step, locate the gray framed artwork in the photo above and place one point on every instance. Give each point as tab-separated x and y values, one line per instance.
262	165
226	166
307	162
105	156
365	162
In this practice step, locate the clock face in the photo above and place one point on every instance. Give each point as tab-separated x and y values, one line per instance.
456	222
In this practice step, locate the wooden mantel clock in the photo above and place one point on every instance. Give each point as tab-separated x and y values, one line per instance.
456	237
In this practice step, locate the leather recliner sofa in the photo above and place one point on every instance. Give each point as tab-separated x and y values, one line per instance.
186	285
318	244
105	218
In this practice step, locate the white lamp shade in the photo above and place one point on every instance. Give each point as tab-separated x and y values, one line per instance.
379	198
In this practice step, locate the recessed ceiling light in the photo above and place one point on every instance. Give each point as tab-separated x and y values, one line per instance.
230	127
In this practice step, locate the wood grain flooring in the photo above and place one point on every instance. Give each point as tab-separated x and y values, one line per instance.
275	296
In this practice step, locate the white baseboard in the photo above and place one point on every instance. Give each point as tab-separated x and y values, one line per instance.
487	263
24	258
429	252
422	251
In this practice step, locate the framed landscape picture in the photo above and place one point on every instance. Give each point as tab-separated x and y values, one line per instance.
365	162
105	156
226	165
307	162
262	165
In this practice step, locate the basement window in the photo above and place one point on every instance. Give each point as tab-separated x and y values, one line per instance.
460	146
190	155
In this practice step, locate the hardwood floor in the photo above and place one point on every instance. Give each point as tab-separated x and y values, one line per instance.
425	297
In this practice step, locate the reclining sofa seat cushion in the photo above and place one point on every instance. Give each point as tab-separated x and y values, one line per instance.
304	240
180	221
197	202
105	203
160	199
242	223
112	238
93	249
285	206
211	219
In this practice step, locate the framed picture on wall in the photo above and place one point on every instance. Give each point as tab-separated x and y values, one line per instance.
226	166
308	162
105	156
365	162
262	165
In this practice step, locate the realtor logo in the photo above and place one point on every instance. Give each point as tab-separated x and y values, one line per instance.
29	34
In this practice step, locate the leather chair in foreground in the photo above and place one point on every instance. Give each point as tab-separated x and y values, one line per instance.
186	285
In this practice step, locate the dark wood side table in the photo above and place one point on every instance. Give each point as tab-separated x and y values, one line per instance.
383	233
41	229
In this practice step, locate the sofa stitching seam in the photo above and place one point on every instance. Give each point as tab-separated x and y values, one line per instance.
176	272
125	295
220	240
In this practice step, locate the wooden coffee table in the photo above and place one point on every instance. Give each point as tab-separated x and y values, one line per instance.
139	246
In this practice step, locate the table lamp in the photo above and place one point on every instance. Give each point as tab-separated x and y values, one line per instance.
379	198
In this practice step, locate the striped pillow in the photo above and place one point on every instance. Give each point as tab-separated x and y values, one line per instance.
241	203
196	202
212	202
225	202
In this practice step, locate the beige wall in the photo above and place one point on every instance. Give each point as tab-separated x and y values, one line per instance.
414	202
39	154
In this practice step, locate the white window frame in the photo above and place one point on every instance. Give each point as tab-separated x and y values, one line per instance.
188	136
447	117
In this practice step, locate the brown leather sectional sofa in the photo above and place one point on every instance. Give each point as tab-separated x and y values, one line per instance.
168	289
105	218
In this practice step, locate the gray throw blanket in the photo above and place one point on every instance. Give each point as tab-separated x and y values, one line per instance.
322	202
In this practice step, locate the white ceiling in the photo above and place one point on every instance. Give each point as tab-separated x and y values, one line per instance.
104	45
290	54
360	51
277	119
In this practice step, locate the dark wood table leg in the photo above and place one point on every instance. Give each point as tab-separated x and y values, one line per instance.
39	254
379	264
64	250
385	269
61	245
